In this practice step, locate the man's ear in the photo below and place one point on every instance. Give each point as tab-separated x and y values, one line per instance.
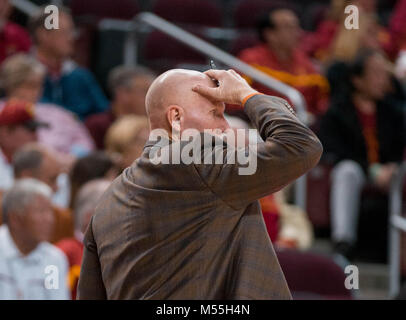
174	115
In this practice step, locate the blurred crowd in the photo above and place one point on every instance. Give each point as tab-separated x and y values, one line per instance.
62	141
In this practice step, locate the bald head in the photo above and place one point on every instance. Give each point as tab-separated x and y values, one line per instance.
171	99
173	87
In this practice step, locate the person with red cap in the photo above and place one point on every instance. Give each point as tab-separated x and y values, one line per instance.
21	158
18	127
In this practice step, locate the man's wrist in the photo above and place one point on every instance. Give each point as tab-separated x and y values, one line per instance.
246	95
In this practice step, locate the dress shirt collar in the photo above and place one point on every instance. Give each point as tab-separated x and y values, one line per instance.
10	249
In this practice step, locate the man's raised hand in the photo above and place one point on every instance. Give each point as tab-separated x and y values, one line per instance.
232	87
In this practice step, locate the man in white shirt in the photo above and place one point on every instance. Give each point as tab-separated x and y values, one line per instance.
29	267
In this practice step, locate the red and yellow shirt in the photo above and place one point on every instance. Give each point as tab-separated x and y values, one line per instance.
368	125
73	250
298	73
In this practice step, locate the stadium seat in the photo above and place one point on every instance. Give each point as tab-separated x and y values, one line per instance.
87	15
109	45
117	9
199	12
243	41
84	44
318	196
247	12
312	276
372	242
162	52
313	15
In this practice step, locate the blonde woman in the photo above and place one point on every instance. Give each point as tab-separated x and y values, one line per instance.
126	138
347	43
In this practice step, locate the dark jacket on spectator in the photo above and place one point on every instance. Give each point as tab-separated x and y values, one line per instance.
342	137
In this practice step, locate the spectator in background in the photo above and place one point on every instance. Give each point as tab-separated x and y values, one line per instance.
363	134
18	126
318	44
24	255
400	67
344	48
128	87
66	84
93	166
288	225
85	204
22	77
127	137
280	57
398	33
397	28
13	38
37	162
348	42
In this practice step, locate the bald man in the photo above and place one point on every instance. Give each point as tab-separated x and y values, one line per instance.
195	230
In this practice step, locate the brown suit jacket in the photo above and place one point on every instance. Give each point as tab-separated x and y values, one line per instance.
196	231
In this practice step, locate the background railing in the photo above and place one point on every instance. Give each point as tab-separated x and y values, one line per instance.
397	225
25	6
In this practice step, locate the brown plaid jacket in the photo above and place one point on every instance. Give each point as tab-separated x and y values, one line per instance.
196	231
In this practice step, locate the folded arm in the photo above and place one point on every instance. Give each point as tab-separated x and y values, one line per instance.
289	150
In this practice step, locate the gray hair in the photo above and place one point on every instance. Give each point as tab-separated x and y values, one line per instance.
87	199
121	76
22	194
28	157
